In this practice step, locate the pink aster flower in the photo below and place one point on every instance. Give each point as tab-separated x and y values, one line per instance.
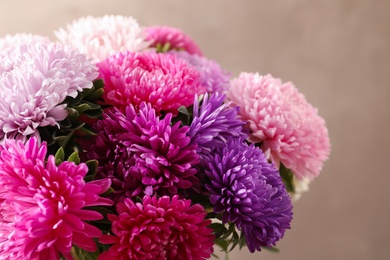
143	154
43	206
99	37
161	79
280	118
177	40
12	41
35	79
159	228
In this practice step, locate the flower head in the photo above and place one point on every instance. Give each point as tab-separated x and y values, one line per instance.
99	37
34	81
248	191
160	79
42	206
144	154
212	75
214	123
159	228
279	117
174	38
12	41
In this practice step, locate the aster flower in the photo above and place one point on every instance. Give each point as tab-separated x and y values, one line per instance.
248	191
159	228
172	39
280	118
12	41
213	77
214	122
144	154
34	81
160	79
99	37
43	205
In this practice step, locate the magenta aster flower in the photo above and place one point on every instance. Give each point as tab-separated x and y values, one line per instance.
12	41
213	77
177	40
214	123
280	118
160	79
144	154
43	205
159	228
34	81
99	37
248	191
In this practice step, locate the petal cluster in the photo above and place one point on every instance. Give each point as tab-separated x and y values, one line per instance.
144	154
160	79
99	37
214	122
213	77
42	206
280	118
159	228
35	79
15	40
174	38
248	191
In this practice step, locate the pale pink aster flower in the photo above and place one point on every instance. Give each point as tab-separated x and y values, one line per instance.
34	81
99	37
177	40
161	79
15	40
280	118
43	206
159	228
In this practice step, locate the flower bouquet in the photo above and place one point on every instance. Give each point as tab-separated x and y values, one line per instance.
123	142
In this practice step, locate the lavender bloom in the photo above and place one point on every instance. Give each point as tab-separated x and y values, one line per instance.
143	154
214	122
213	77
249	192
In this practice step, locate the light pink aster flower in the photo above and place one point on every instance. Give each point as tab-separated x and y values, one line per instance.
34	81
159	228
280	118
12	41
43	206
177	40
99	37
161	79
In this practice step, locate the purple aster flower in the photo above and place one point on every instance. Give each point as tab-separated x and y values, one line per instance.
143	154
248	191
214	122
213	77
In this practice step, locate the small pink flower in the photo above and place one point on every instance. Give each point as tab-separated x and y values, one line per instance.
177	40
159	228
42	206
161	79
280	118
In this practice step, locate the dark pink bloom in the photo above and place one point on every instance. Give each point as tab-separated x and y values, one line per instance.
177	40
144	154
161	79
42	206
159	228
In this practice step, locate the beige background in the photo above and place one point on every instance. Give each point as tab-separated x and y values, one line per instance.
336	52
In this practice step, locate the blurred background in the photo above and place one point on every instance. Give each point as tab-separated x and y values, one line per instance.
337	52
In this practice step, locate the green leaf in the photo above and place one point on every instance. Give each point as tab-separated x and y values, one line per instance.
74	157
59	156
92	167
271	249
287	177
